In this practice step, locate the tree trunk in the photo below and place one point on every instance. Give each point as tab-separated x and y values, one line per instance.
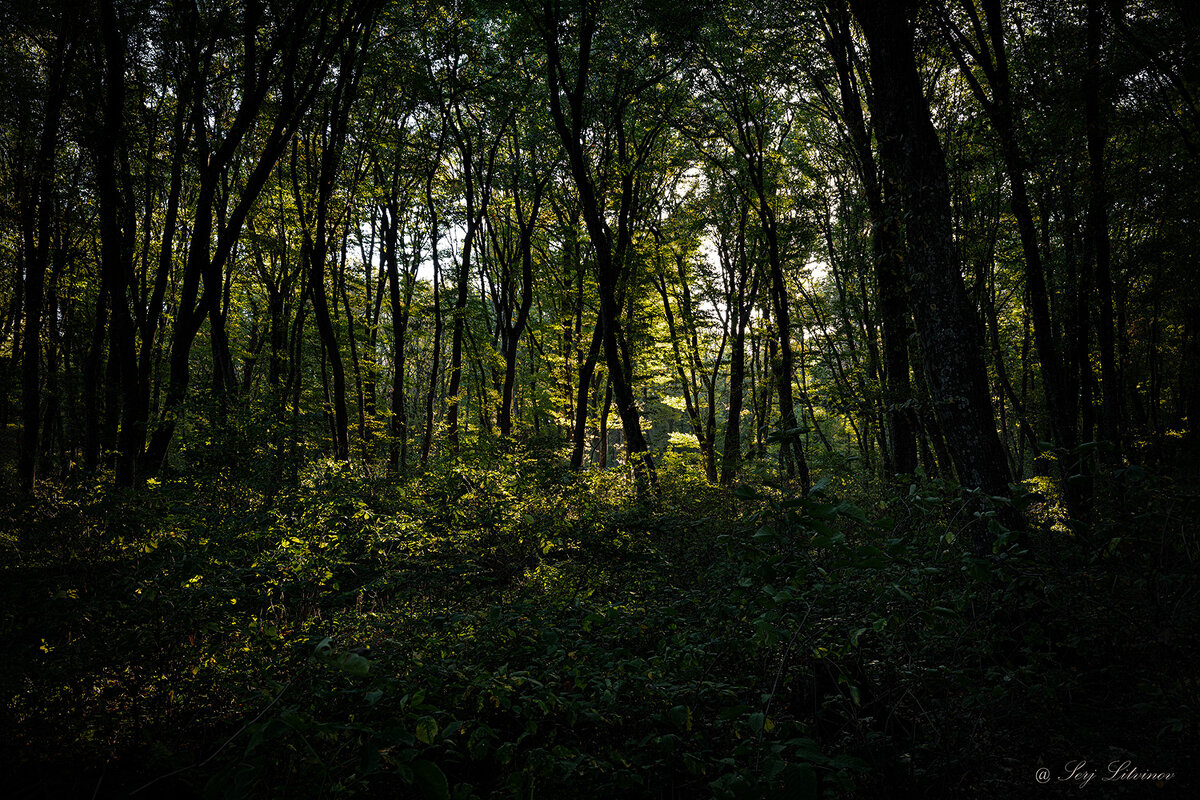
886	246
570	125
1097	223
435	359
586	369
37	234
949	329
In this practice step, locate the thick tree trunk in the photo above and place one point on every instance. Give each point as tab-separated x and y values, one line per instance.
893	321
886	247
949	329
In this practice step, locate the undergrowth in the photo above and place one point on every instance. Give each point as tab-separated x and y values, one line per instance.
500	627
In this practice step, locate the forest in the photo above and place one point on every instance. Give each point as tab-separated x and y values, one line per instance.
464	399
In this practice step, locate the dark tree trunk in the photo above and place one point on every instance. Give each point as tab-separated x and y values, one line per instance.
586	369
948	326
791	454
1097	223
286	53
511	331
115	238
427	440
400	304
992	57
605	401
609	250
92	411
739	315
886	248
36	244
316	254
478	191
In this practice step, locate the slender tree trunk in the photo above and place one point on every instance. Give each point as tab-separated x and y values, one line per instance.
397	451
605	400
731	452
317	292
791	454
437	318
586	369
1097	138
739	317
511	333
115	257
92	411
36	256
570	125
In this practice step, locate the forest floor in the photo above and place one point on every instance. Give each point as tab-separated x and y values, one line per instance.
502	627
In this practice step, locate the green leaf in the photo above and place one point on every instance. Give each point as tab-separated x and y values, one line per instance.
678	715
765	532
853	512
356	665
427	730
799	782
429	778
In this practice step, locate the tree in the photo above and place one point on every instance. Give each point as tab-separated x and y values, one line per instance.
36	203
743	130
949	329
283	77
595	99
852	89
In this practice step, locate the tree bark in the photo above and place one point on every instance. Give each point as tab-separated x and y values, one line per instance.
949	328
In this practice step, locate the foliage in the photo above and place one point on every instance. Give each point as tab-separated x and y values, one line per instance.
501	626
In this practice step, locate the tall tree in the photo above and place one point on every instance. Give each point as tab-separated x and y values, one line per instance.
950	332
748	117
281	75
588	108
36	205
852	91
980	44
